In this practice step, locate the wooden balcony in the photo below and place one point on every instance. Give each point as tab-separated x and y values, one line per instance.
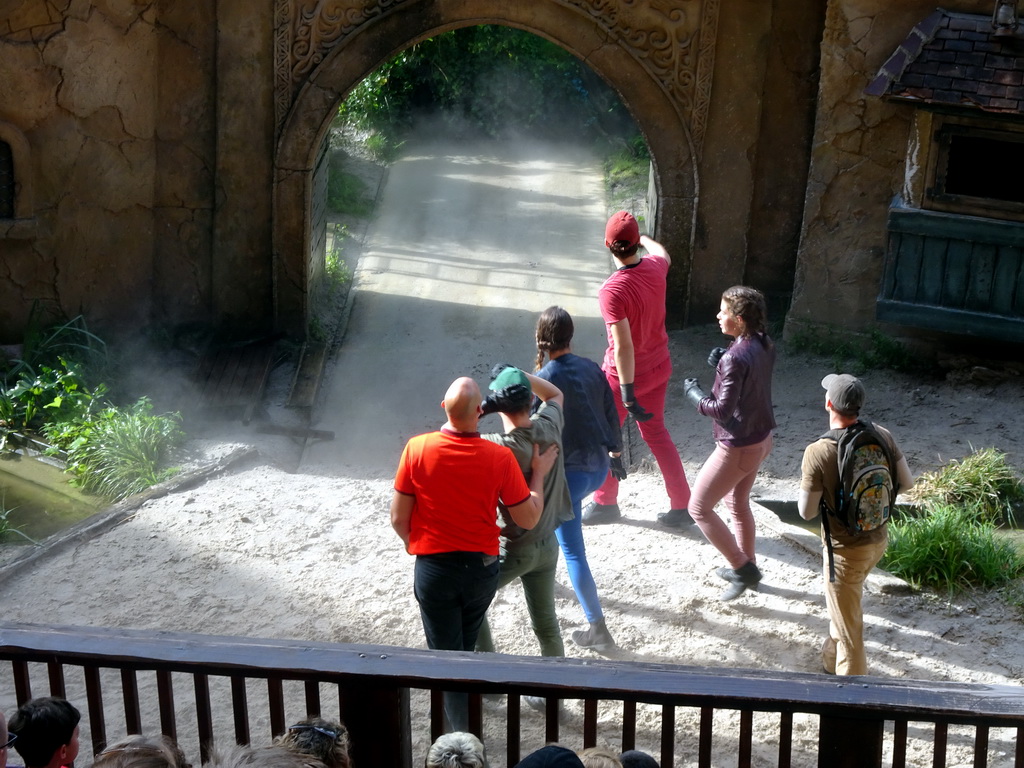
143	682
954	273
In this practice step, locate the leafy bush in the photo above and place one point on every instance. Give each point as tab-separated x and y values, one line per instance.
112	451
51	346
629	166
346	192
52	394
947	547
119	452
492	79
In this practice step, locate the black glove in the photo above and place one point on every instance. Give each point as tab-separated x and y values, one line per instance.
693	391
617	469
715	356
629	400
506	400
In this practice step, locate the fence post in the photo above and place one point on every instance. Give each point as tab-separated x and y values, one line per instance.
379	721
845	742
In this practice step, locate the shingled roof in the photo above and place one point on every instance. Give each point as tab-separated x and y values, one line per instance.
955	59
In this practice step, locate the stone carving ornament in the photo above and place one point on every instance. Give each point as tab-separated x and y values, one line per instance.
673	39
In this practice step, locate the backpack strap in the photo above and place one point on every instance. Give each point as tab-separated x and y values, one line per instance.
828	545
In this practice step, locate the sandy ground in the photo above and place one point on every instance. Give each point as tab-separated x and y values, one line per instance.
264	550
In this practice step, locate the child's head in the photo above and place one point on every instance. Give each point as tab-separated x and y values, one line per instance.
47	730
599	757
142	752
554	332
323	739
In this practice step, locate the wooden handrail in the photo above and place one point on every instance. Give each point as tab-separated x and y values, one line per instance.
372	668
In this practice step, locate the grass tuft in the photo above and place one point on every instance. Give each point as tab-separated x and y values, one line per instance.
948	548
981	483
859	353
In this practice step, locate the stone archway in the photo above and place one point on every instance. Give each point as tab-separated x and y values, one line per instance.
657	55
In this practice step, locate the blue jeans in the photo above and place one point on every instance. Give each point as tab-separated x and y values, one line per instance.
570	537
454	590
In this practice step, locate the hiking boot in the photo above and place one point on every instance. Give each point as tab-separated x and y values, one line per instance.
596	514
747	576
540	704
828	656
676	518
596	638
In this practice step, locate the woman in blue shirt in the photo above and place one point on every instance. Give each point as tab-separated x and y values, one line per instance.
591	443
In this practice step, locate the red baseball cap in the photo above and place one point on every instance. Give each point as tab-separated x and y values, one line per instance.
622	226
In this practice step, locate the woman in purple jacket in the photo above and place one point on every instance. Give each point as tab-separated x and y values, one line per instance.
740	405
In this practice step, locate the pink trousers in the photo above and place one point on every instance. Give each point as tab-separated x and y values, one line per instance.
728	475
650	393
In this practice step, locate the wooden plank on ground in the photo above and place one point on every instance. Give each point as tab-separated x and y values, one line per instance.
234	378
308	375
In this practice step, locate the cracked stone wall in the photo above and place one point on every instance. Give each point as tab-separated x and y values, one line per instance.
857	163
110	95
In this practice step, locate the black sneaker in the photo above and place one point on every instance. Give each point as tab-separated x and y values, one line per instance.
747	576
596	514
676	518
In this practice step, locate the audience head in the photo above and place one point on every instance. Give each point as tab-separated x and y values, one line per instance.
554	332
599	757
4	738
622	234
456	750
462	404
323	739
274	756
551	756
47	731
634	758
142	752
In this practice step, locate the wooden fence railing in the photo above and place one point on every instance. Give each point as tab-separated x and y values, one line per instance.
198	688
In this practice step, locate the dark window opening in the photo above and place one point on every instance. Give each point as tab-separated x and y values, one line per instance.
6	181
978	168
985	167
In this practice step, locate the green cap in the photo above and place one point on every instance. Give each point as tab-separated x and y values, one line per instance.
509	377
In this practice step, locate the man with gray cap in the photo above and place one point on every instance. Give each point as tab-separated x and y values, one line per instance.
854	554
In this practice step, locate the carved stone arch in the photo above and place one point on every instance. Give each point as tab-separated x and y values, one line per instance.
657	55
22	157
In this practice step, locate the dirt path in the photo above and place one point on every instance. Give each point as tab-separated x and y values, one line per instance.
468	245
266	552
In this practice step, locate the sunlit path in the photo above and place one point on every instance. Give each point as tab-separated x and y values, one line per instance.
468	245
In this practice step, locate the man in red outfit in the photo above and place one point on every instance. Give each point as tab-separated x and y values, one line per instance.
637	362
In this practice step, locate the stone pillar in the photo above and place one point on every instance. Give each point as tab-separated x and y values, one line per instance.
242	274
727	166
186	148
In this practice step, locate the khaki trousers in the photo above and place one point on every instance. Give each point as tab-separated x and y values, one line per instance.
843	652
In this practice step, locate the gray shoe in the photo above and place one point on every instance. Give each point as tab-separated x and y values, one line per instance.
676	518
596	638
747	576
597	514
540	704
